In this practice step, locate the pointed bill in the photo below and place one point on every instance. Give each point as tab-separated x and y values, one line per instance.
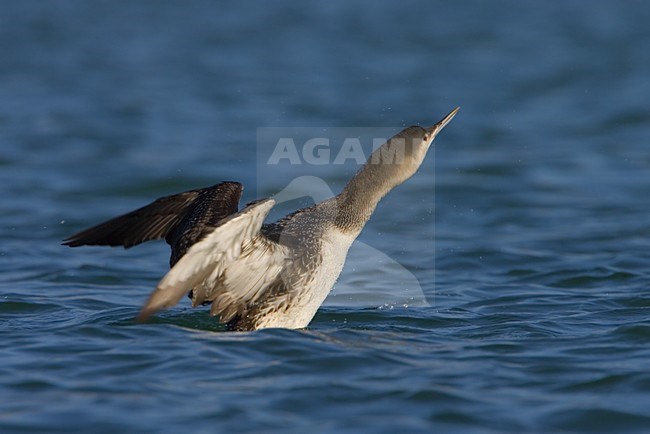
440	125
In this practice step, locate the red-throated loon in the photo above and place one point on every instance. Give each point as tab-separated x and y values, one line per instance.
258	275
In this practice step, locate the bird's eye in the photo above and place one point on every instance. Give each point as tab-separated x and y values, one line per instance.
426	137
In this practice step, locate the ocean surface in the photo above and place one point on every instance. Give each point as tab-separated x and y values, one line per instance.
504	288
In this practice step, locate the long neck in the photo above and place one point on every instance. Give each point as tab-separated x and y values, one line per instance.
360	197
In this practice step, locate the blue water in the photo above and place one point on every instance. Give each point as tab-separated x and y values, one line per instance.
526	230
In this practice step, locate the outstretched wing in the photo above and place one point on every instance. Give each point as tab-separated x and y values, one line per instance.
208	257
158	219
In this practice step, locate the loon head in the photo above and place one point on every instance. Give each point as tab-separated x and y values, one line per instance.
402	155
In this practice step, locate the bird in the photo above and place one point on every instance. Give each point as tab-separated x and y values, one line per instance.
257	275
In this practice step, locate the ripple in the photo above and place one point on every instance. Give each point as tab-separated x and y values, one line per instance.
598	420
25	308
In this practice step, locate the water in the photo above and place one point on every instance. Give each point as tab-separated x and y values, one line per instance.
532	263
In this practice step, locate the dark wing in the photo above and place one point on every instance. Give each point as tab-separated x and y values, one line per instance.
201	217
158	219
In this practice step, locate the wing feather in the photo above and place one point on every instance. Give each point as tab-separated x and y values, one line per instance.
150	222
210	256
247	280
158	219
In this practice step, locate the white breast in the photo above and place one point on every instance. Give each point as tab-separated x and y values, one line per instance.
307	296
